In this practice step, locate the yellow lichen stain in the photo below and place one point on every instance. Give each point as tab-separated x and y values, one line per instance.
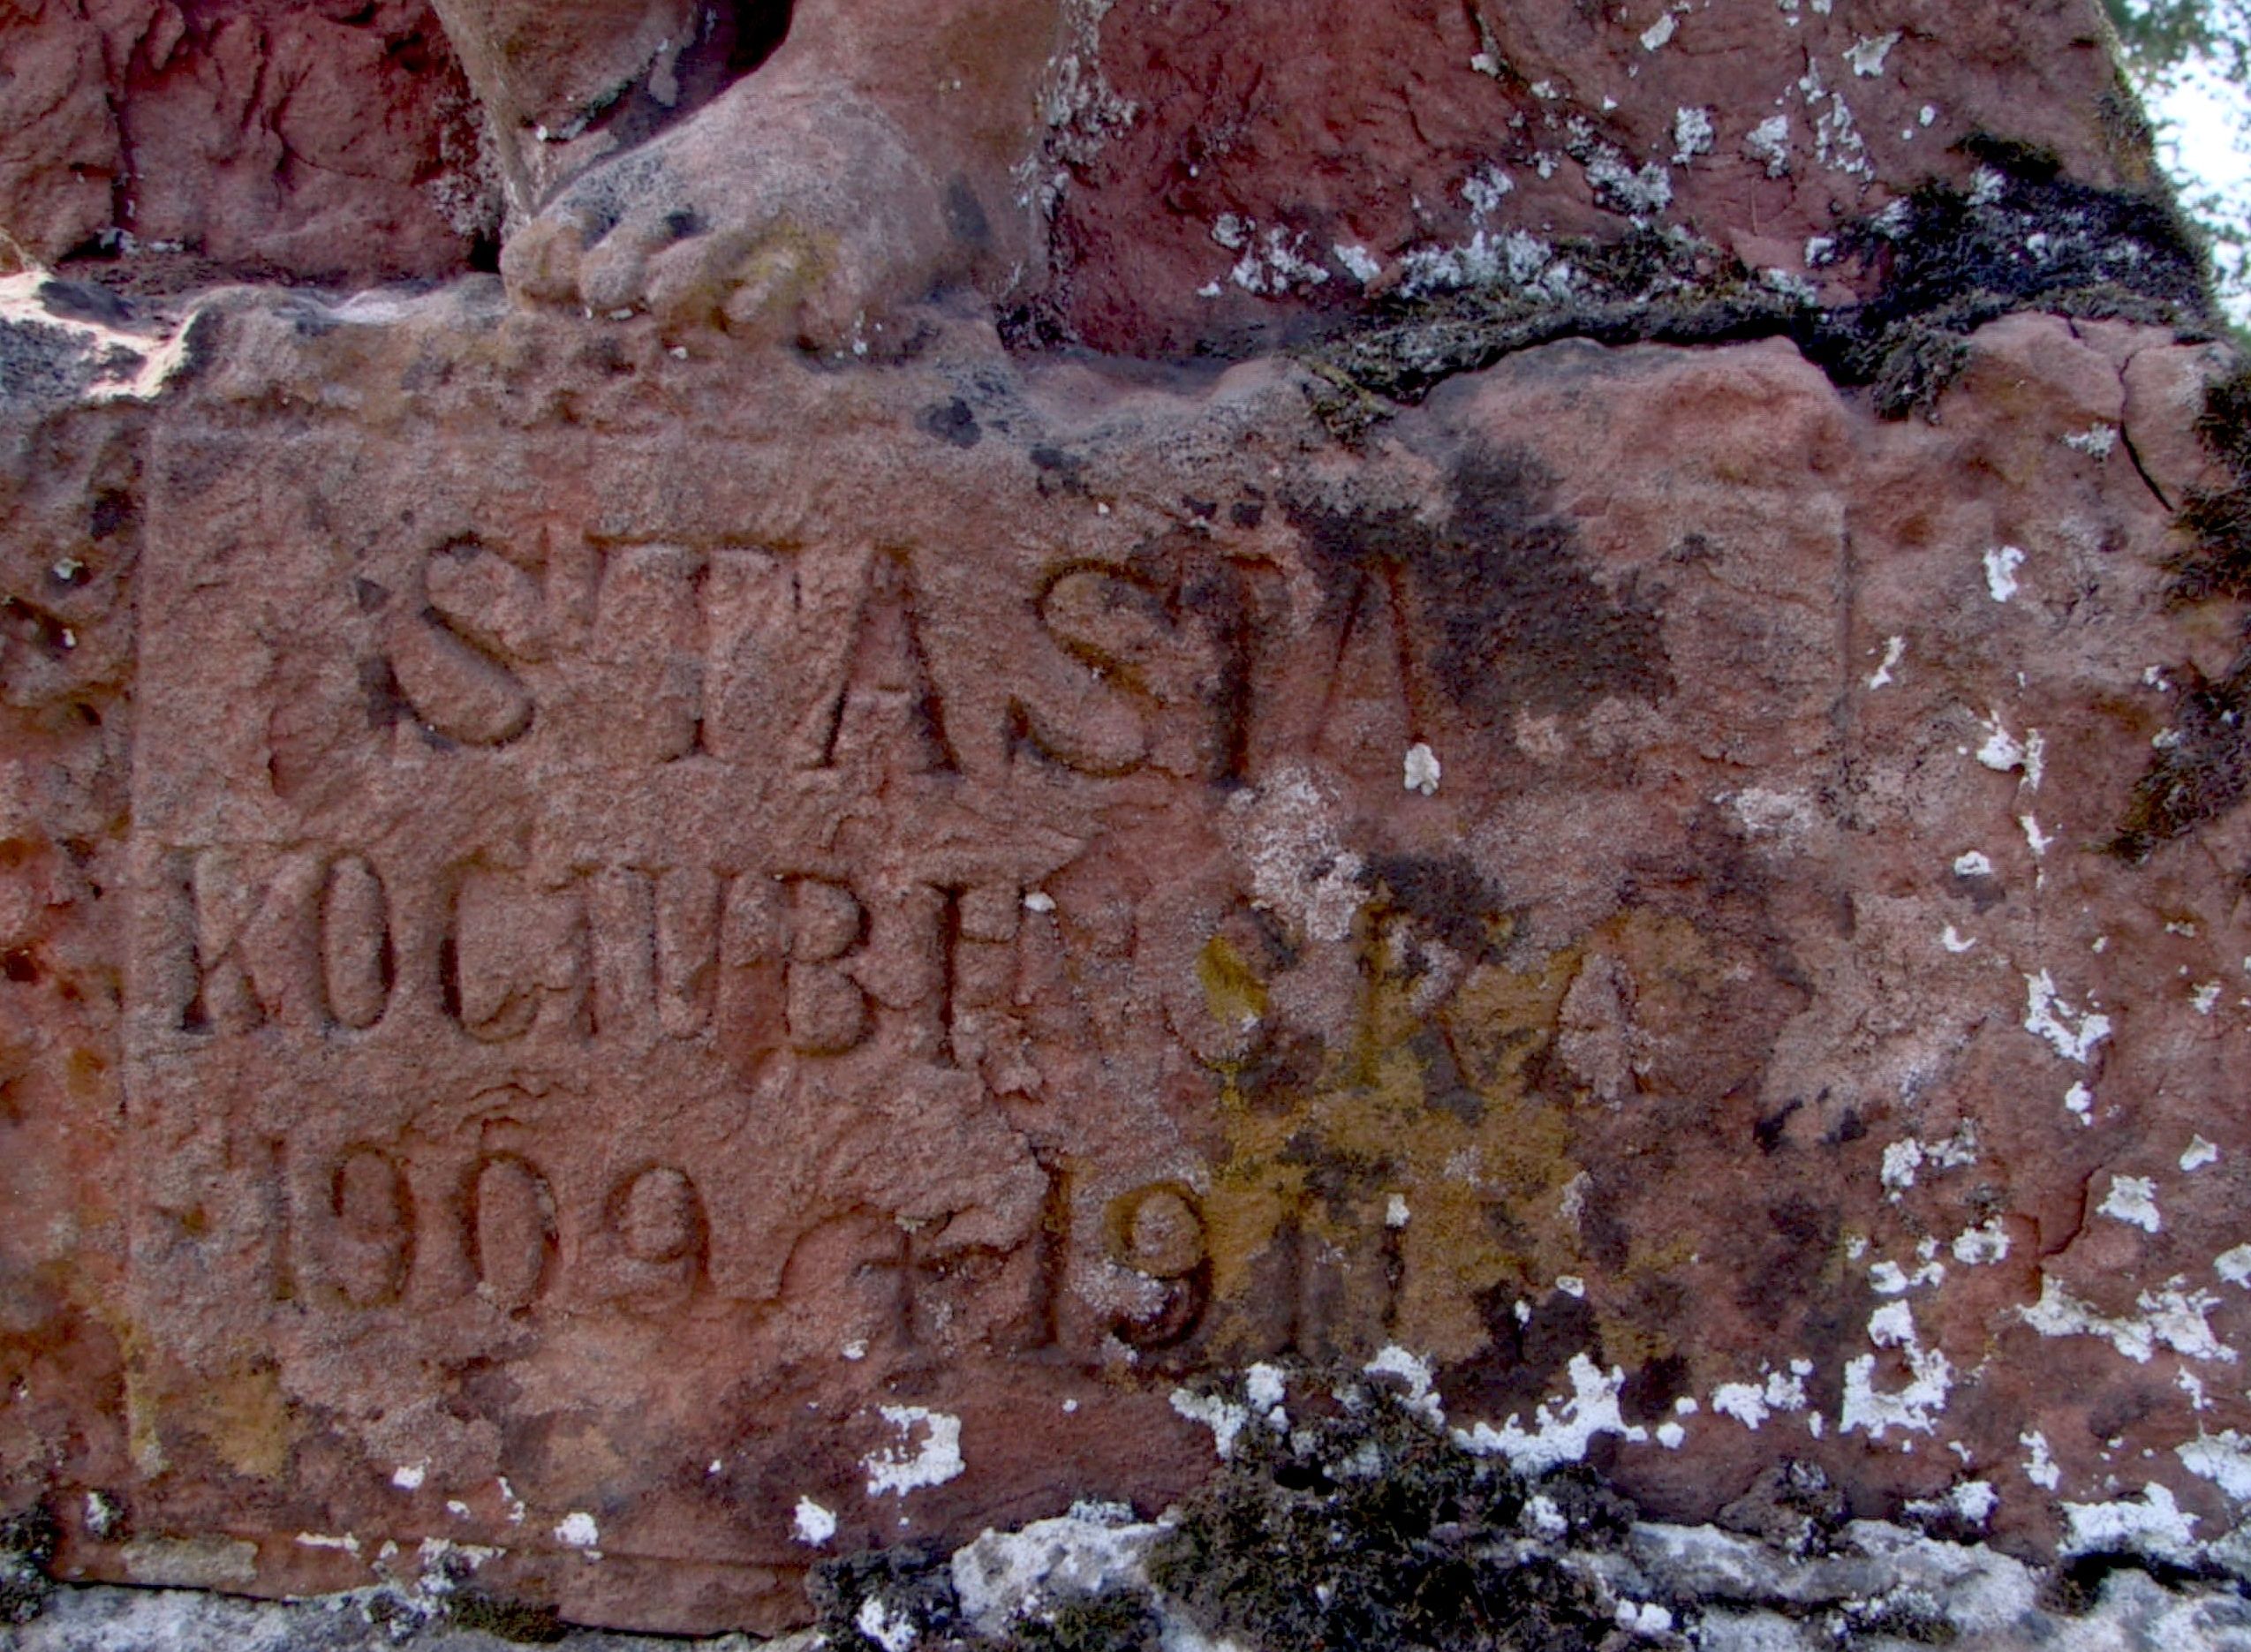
1318	1173
82	1075
245	1418
242	1415
1233	993
1431	1112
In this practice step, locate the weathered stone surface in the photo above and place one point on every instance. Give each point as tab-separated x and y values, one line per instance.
1230	179
607	944
702	906
333	141
1144	179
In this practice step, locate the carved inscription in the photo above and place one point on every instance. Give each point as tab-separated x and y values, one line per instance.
572	937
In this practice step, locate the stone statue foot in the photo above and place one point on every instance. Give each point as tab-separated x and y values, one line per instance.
779	212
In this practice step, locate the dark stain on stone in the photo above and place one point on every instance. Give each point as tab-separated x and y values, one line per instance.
2205	768
1515	618
1446	895
952	422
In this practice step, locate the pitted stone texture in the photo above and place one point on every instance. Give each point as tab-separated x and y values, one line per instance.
1233	180
322	140
1148	179
603	944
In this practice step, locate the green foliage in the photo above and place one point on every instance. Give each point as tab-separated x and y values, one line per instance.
2162	34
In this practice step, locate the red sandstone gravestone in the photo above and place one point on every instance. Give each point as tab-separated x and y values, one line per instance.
616	935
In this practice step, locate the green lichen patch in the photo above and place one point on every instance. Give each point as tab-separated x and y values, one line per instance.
1370	1526
27	1543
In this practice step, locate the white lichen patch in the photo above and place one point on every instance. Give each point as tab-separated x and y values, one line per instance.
409	1476
1768	143
2133	1201
1279	267
1955	942
1837	142
813	1524
2171	1318
2096	442
2001	563
1560	1435
2224	1458
1971	1501
1767	813
1889	1278
1692	134
1005	1576
1224	1417
1421	1399
2198	1153
1750	1404
1902	1159
891	1628
1865	56
2234	1266
2039	1468
1642	193
1976	1247
2001	750
1484	190
2204	996
2078	1101
1289	834
1894	649
1421	770
1913	1408
1264	1387
2049	1018
1973	864
1512	261
1359	263
2152	1525
933	1459
1655	36
577	1530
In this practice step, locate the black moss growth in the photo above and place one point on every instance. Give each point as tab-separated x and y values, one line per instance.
2201	773
1115	1621
2020	238
524	1622
1370	1528
2217	520
909	1587
2205	768
28	1542
1942	261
